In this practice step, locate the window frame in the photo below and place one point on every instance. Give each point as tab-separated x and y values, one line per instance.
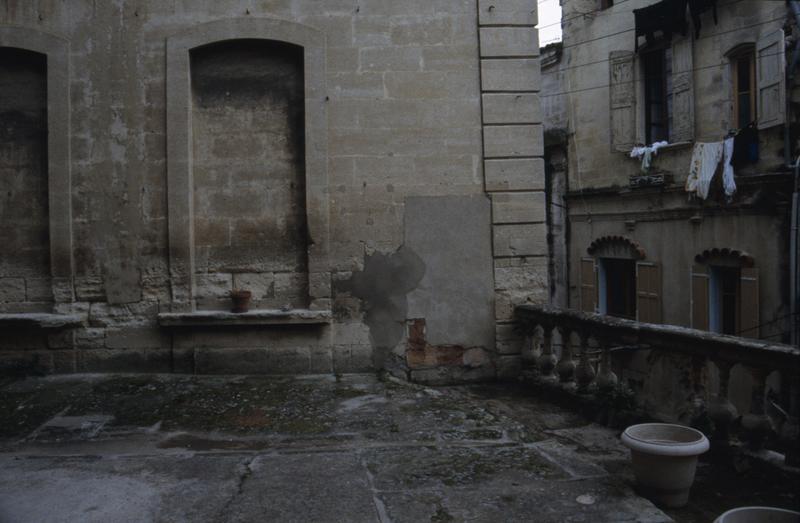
664	47
603	275
716	297
745	50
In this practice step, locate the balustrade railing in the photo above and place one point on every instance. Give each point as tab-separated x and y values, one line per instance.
702	365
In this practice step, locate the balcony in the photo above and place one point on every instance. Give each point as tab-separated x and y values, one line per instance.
620	371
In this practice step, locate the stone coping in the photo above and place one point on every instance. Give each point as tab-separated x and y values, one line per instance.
254	317
748	351
40	320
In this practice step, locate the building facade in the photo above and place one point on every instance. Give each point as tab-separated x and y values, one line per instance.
370	171
663	237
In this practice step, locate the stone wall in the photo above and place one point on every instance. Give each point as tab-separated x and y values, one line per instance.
430	102
670	226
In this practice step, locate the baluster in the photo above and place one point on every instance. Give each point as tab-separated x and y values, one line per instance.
547	360
755	424
584	372
526	350
720	409
566	365
537	339
790	431
697	380
606	379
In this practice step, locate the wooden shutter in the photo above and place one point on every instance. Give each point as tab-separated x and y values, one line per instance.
622	101
699	298
648	292
682	91
748	303
771	80
588	285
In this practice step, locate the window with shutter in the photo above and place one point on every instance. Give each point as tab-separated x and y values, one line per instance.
622	100
724	299
658	122
682	122
743	79
648	292
588	285
699	297
748	303
771	80
725	293
616	294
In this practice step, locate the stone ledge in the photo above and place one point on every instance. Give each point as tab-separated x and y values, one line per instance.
40	320
254	318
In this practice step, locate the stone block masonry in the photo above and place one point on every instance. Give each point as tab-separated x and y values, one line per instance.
513	164
325	156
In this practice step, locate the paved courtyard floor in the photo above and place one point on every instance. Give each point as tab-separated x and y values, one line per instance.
352	448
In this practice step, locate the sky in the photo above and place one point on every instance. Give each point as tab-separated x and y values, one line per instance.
549	22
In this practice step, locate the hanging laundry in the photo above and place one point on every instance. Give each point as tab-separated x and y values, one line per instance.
667	16
646	154
705	159
745	146
728	181
698	7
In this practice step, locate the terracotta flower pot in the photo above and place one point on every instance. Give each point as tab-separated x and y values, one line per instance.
664	460
759	515
241	300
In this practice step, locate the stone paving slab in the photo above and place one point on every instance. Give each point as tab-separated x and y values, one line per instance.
352	448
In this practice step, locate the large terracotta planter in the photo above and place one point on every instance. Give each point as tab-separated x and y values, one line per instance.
759	515
664	460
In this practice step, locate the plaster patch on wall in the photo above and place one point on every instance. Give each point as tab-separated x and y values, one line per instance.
383	287
456	295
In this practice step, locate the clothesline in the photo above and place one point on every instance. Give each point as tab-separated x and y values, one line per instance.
738	147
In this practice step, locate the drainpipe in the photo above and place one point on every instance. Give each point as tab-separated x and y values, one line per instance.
794	5
794	269
787	152
793	259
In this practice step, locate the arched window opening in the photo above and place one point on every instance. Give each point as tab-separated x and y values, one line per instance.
725	293
617	281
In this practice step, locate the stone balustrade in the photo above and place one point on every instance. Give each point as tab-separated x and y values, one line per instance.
608	357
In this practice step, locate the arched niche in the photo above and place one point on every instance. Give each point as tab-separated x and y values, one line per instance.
51	54
208	43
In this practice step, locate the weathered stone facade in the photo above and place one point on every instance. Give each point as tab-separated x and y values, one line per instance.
594	108
371	171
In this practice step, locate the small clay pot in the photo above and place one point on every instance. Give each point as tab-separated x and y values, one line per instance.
241	301
664	460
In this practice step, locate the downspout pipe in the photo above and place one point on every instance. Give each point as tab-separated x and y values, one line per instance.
790	74
794	276
794	241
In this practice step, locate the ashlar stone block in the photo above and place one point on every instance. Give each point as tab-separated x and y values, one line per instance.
513	140
520	240
511	108
518	207
509	41
504	12
522	74
515	174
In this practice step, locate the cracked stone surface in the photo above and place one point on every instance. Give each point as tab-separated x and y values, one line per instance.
353	448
